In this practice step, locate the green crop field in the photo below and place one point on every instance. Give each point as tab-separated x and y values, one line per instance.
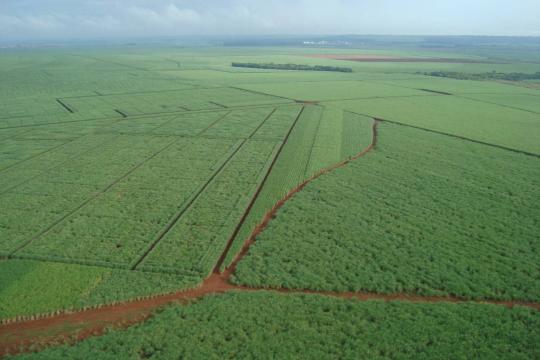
136	176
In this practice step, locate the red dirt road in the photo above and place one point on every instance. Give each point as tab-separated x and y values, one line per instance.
71	327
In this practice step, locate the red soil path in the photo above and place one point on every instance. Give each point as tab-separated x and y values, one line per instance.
23	336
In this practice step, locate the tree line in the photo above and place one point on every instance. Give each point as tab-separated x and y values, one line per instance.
301	67
484	76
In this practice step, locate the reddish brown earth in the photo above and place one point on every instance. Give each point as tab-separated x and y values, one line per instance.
23	336
388	58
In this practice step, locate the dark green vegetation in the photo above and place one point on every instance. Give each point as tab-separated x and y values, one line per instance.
301	67
494	75
271	326
424	213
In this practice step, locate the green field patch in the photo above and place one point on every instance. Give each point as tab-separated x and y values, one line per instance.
33	287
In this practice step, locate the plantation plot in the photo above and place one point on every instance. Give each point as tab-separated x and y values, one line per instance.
458	87
490	123
197	240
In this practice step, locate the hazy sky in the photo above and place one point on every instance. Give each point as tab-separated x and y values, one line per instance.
23	19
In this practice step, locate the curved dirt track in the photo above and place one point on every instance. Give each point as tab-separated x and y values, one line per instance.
71	327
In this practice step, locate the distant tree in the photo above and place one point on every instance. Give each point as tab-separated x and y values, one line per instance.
298	67
493	75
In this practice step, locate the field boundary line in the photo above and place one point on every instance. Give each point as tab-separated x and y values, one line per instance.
498	104
436	91
502	147
153	114
380	97
142	92
14	136
174	220
124	115
261	93
199	134
110	62
66	106
39	154
4	191
231	239
218	104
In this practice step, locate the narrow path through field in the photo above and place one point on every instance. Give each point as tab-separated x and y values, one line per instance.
17	337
